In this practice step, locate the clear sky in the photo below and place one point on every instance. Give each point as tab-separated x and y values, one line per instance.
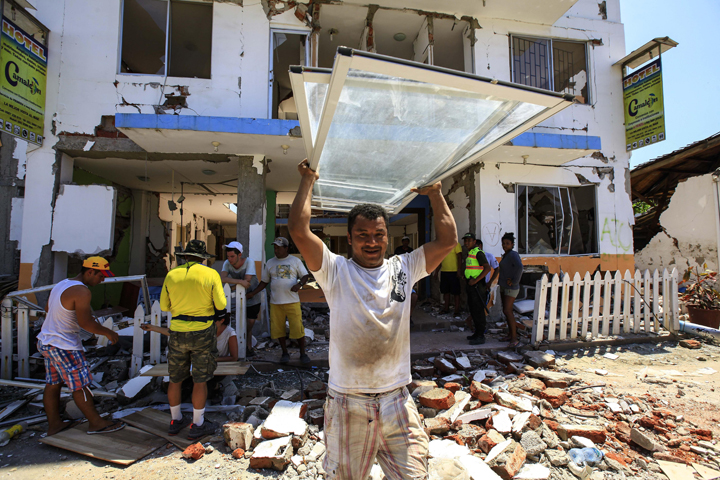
691	71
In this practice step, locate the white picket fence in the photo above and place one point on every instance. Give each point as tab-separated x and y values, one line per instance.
22	314
611	305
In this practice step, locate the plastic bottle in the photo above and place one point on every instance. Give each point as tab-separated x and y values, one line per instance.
11	432
585	456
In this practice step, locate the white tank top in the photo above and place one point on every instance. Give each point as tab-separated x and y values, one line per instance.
61	328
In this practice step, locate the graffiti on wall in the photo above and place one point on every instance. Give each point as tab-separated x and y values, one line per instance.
618	233
491	234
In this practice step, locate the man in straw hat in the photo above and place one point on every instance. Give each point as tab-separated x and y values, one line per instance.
68	310
192	292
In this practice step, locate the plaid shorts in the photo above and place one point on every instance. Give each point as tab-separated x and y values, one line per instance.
360	428
65	366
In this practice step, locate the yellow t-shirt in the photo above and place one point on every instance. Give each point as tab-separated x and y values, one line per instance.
450	263
192	289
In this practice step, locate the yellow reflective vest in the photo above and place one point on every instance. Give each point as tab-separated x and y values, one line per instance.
473	269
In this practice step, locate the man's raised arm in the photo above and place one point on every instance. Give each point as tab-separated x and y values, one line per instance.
310	246
445	229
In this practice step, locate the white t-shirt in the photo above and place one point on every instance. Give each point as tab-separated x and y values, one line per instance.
248	268
370	320
282	274
61	328
223	341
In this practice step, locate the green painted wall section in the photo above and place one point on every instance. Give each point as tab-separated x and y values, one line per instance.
120	265
270	201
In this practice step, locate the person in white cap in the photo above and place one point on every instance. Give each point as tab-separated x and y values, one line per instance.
239	270
287	275
405	247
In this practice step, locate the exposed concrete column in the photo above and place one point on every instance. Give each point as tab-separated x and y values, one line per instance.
251	205
12	178
60	259
140	220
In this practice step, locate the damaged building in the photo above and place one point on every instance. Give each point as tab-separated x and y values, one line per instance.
169	120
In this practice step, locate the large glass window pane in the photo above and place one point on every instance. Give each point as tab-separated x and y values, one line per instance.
390	134
143	36
190	39
522	218
570	73
315	94
584	199
544	220
531	62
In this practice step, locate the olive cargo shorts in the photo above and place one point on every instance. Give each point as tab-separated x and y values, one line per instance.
198	349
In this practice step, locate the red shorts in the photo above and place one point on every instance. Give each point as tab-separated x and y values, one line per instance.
65	366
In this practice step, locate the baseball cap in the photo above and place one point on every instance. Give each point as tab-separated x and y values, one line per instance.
281	242
406	238
98	263
235	245
470	235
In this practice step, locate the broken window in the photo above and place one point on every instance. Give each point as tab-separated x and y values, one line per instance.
154	30
287	49
556	220
555	65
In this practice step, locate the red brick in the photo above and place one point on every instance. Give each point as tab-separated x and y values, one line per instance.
555	396
482	392
238	453
194	451
648	422
595	433
489	440
556	383
552	424
421	383
703	433
618	458
436	426
452	386
688	343
437	398
515	461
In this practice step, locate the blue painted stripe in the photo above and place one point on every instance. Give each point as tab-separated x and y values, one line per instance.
259	126
252	126
554	140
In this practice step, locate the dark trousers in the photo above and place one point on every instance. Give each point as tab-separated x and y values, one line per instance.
477	294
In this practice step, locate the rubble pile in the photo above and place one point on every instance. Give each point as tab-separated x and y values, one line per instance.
523	417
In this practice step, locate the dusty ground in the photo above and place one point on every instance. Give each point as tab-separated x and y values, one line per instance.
688	393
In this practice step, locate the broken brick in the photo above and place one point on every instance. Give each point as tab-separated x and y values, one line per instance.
238	435
415	384
555	396
489	440
515	459
444	365
438	398
194	451
452	386
437	426
238	453
595	433
482	392
689	343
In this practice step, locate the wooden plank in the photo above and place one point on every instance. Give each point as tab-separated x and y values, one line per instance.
607	297
539	315
665	315
155	343
564	306
636	304
552	324
12	408
123	447
705	472
675	308
587	285
627	302
617	305
137	353
597	302
577	285
676	471
23	340
646	304
223	368
6	366
656	300
157	422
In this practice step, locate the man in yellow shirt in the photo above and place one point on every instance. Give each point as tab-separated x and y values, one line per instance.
450	274
192	292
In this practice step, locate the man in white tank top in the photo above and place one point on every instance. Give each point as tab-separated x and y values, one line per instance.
68	310
369	413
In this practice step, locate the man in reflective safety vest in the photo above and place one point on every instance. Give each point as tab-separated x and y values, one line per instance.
476	267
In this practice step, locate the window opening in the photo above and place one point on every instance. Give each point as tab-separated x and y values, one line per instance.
287	49
153	30
552	65
556	220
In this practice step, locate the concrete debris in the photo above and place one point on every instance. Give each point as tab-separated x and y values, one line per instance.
274	454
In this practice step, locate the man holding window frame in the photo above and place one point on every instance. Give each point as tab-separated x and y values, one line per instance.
368	411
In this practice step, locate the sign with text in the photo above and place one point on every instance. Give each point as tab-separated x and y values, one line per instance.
644	111
23	60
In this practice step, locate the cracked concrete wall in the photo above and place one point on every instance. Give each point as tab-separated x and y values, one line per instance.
689	236
11	181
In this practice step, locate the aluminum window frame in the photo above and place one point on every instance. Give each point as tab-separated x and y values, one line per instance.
551	60
347	59
168	33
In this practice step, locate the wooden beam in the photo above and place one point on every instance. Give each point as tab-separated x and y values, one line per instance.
703	146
